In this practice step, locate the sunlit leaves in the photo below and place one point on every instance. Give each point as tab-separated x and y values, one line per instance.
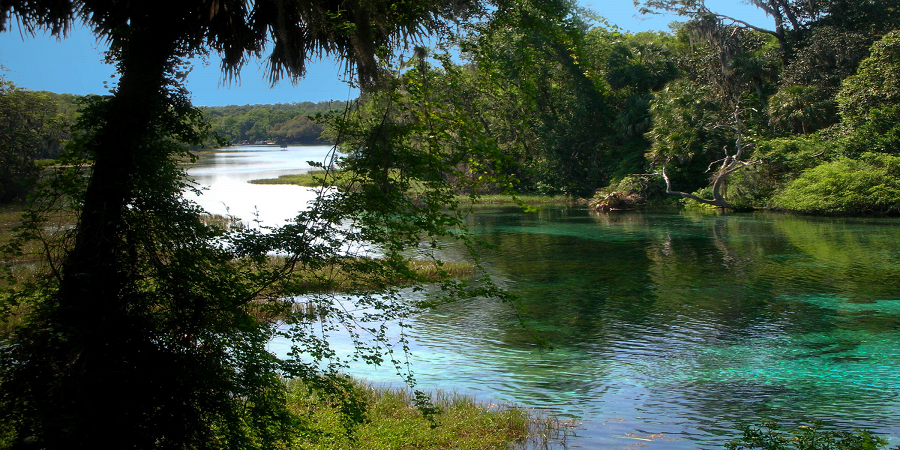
877	82
867	185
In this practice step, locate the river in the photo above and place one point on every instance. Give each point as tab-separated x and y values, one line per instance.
666	329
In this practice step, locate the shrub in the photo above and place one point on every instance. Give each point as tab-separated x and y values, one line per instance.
767	436
868	185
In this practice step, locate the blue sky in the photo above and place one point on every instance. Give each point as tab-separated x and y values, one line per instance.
75	65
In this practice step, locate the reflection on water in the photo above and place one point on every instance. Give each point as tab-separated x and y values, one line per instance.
686	324
225	175
678	325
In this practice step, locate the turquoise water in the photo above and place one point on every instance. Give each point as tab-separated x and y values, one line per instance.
665	329
668	329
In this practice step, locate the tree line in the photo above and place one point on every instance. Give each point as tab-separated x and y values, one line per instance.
281	123
33	126
716	110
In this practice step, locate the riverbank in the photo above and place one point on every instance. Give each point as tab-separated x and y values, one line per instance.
349	414
384	417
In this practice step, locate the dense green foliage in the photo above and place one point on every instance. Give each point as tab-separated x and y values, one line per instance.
390	423
572	105
144	300
867	185
718	111
280	123
808	437
33	125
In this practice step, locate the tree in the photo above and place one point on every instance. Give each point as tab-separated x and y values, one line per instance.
144	335
727	83
828	55
789	16
875	85
640	66
800	109
531	84
29	127
820	41
869	104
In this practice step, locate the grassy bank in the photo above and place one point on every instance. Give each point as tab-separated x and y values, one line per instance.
337	278
316	178
388	419
313	178
338	413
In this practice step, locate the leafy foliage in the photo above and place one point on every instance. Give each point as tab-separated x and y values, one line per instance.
143	300
826	57
868	185
181	330
31	126
643	67
801	109
531	83
768	436
390	423
876	84
281	123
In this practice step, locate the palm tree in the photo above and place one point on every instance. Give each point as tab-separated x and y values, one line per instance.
803	109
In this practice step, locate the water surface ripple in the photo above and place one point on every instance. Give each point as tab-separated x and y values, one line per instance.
668	329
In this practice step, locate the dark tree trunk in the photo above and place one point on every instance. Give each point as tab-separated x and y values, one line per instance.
106	349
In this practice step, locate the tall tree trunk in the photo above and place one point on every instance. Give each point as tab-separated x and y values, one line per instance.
103	342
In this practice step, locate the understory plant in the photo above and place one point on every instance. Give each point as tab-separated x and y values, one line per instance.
866	185
768	436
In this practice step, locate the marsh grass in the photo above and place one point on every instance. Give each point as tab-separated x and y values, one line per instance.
546	432
316	178
388	419
523	200
342	278
30	261
23	261
313	178
222	222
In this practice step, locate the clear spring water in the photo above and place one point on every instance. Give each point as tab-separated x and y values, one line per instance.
667	328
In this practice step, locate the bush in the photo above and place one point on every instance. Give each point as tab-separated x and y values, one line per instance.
879	133
767	436
784	156
868	185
